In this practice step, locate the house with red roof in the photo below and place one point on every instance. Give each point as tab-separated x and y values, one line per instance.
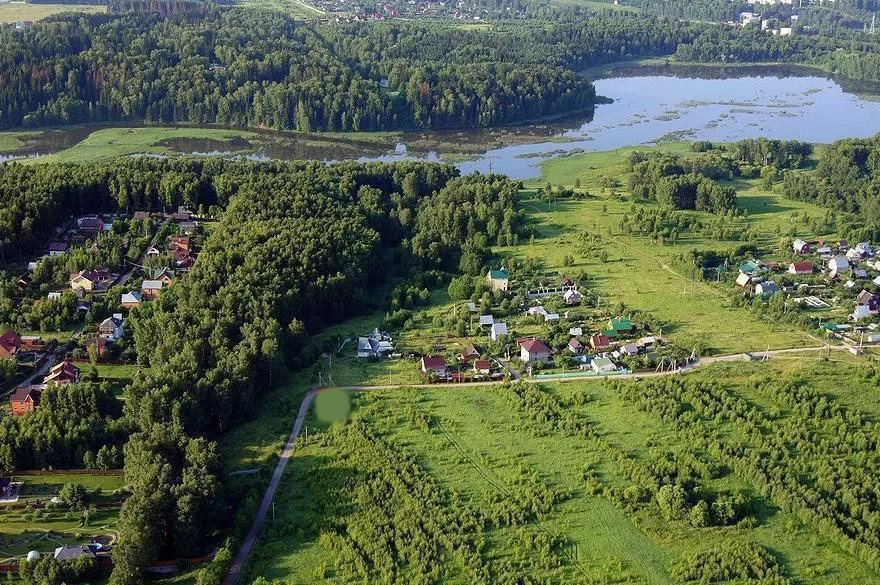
600	341
435	364
62	373
533	350
10	343
575	346
482	367
800	268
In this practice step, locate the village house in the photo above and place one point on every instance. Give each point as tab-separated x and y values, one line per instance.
469	354
538	311
860	312
58	248
164	275
551	317
853	255
179	243
111	328
498	279
600	341
868	299
751	267
90	224
865	249
377	345
482	367
532	350
575	346
576	331
184	263
620	325
24	399
837	266
800	247
187	227
744	279
498	329
800	268
62	373
434	364
486	320
825	252
150	289
153	251
70	553
630	349
88	280
572	297
603	365
131	300
766	288
141	215
10	344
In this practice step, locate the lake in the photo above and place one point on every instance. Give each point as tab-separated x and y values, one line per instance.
654	107
650	104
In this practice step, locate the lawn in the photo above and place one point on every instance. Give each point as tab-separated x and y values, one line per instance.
478	444
21	11
43	485
22	530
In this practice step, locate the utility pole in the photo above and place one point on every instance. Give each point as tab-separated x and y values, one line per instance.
874	23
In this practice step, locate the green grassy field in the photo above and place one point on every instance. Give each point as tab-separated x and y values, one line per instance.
638	270
109	143
21	11
478	445
295	8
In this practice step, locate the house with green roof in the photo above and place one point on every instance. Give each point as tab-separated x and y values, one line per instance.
498	279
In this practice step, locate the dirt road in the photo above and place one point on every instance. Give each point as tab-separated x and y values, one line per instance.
256	526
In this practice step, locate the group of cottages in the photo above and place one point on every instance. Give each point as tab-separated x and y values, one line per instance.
435	366
841	259
25	399
180	250
75	233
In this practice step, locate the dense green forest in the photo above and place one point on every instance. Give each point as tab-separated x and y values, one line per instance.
298	246
240	67
846	180
251	68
